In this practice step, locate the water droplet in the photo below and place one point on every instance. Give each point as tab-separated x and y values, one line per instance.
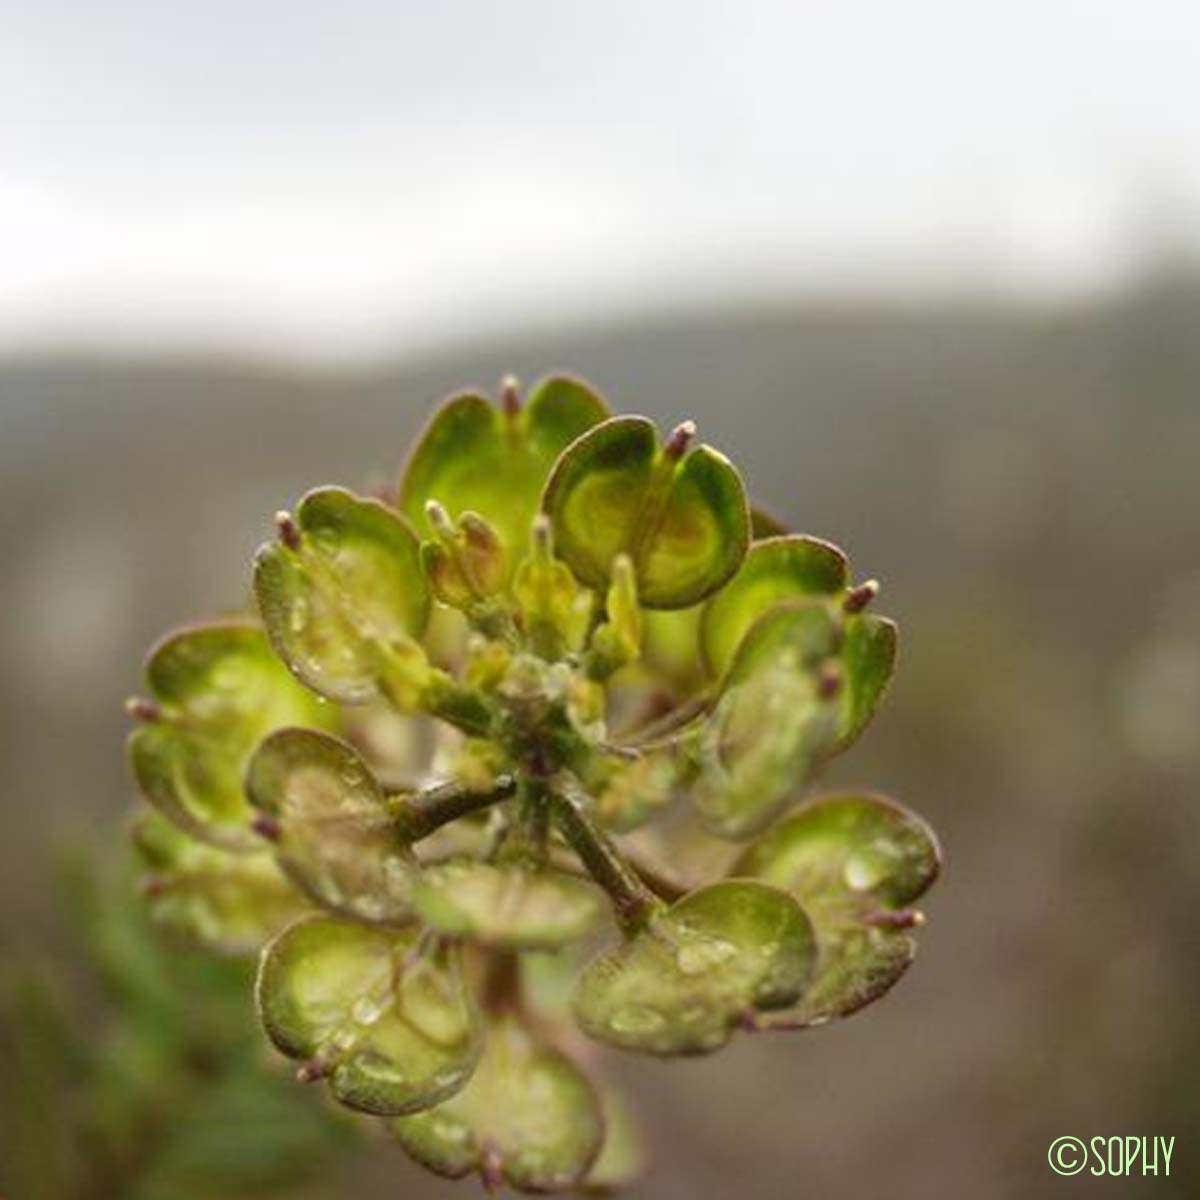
701	955
227	676
343	1041
447	1129
869	867
367	1010
636	1019
448	1079
366	905
299	615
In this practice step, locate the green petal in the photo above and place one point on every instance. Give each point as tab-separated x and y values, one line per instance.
393	1031
782	568
529	1118
681	984
868	662
229	903
344	606
773	724
849	860
683	521
475	457
511	904
334	833
220	690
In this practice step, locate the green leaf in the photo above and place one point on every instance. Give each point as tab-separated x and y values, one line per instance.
393	1029
218	689
774	722
333	832
679	514
868	662
475	457
681	984
343	598
854	862
780	568
512	904
529	1118
230	903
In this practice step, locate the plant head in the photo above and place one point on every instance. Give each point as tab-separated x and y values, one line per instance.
564	684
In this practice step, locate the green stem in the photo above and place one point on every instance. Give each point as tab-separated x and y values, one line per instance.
673	721
633	901
501	987
460	706
534	818
660	882
419	814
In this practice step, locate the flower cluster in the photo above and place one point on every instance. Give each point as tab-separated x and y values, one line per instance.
565	678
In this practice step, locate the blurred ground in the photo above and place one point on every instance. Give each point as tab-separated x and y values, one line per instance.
1026	485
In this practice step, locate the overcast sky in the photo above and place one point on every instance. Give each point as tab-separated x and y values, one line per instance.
358	177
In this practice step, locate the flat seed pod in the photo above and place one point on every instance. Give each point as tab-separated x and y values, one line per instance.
868	662
217	690
779	568
343	597
632	792
513	904
474	457
681	984
330	825
680	514
392	1030
850	860
529	1118
671	648
773	723
229	903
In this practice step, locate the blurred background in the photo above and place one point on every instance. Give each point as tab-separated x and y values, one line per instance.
927	272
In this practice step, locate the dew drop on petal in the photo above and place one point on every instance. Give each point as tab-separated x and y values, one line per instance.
447	1129
367	1010
299	615
697	957
636	1019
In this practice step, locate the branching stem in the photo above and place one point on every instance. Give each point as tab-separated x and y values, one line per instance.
633	901
420	814
653	732
660	882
